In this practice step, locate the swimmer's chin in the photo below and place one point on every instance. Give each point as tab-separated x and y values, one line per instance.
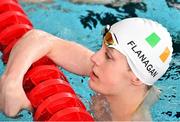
90	84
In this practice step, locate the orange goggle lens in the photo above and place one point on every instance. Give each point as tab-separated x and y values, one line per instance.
108	40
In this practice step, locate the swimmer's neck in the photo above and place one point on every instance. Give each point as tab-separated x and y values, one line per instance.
124	105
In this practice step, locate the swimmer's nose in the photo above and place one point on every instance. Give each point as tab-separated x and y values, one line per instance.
96	58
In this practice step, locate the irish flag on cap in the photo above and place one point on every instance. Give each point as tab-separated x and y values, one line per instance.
153	39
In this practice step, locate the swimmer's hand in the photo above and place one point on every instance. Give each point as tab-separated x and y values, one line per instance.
12	97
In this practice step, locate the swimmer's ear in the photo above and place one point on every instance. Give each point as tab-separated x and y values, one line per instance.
134	80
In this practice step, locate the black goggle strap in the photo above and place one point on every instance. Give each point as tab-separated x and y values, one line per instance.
115	38
105	30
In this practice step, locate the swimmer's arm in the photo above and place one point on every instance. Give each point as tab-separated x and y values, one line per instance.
71	56
35	44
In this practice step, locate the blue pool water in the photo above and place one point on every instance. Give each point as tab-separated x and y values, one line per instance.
83	24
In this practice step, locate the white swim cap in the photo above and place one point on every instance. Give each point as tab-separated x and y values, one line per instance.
146	44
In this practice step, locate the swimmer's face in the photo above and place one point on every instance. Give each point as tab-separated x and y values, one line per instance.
110	73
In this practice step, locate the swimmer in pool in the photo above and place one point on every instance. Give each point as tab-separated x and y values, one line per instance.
135	53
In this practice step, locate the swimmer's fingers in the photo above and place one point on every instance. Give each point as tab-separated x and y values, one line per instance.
28	106
11	108
15	109
14	100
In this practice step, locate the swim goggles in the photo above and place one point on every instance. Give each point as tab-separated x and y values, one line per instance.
109	38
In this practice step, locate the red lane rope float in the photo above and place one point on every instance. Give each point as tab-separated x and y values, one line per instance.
47	88
45	85
7	5
41	73
44	72
9	35
43	61
12	17
55	103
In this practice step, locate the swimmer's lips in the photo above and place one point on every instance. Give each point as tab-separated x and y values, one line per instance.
93	76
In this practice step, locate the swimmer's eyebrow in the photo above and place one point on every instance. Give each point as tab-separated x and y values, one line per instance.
109	49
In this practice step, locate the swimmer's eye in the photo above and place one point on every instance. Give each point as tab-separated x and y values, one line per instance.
107	56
